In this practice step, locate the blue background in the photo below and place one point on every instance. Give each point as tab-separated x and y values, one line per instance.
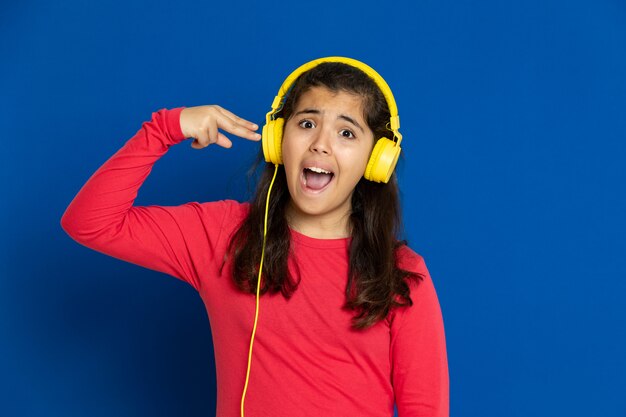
513	189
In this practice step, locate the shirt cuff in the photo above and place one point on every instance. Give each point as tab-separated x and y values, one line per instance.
172	121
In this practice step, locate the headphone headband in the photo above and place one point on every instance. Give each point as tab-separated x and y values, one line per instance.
394	121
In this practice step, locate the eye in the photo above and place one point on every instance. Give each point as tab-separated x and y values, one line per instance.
347	134
306	124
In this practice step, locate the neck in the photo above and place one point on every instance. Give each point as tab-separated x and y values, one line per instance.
330	226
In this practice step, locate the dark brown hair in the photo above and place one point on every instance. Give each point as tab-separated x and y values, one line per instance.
375	284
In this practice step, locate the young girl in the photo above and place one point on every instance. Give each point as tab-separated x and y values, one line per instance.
346	321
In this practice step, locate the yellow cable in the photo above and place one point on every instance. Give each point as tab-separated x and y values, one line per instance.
258	286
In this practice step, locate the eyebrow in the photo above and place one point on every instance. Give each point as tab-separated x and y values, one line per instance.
341	116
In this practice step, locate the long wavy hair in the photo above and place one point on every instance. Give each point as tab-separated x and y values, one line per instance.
375	284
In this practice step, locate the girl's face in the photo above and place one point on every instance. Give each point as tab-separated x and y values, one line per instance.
326	146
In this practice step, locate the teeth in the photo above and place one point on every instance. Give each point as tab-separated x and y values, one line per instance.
319	170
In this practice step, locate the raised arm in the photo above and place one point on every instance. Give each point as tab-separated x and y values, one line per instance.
177	240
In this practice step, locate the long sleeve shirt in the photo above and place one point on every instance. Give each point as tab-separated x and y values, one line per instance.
307	360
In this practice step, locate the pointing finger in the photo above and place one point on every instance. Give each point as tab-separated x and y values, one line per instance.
246	123
231	126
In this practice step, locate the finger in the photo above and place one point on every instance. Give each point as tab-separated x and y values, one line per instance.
212	131
195	144
231	126
223	141
246	123
202	141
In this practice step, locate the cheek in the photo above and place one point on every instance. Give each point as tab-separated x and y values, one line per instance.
293	145
290	156
287	151
354	165
361	158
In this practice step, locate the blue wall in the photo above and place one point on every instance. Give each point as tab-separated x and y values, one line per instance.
513	189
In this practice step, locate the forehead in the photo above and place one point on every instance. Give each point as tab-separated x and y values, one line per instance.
329	101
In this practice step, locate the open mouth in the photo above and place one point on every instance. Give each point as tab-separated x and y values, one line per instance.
316	179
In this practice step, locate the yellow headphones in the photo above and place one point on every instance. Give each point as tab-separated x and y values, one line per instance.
385	154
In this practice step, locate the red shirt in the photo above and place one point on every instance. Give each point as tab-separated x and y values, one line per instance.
307	360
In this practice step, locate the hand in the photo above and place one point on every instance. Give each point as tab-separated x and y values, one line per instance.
202	124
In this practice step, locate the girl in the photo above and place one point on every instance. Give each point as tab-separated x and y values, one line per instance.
348	322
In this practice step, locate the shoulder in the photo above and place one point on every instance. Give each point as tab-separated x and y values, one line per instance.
220	216
231	210
425	303
420	282
409	260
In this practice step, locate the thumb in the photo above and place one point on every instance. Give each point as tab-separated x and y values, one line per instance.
223	141
196	145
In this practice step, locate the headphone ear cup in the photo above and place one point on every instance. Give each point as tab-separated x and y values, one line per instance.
272	138
382	161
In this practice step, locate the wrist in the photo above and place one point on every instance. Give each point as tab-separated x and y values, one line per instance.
174	127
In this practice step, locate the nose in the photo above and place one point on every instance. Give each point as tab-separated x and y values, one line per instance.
321	142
